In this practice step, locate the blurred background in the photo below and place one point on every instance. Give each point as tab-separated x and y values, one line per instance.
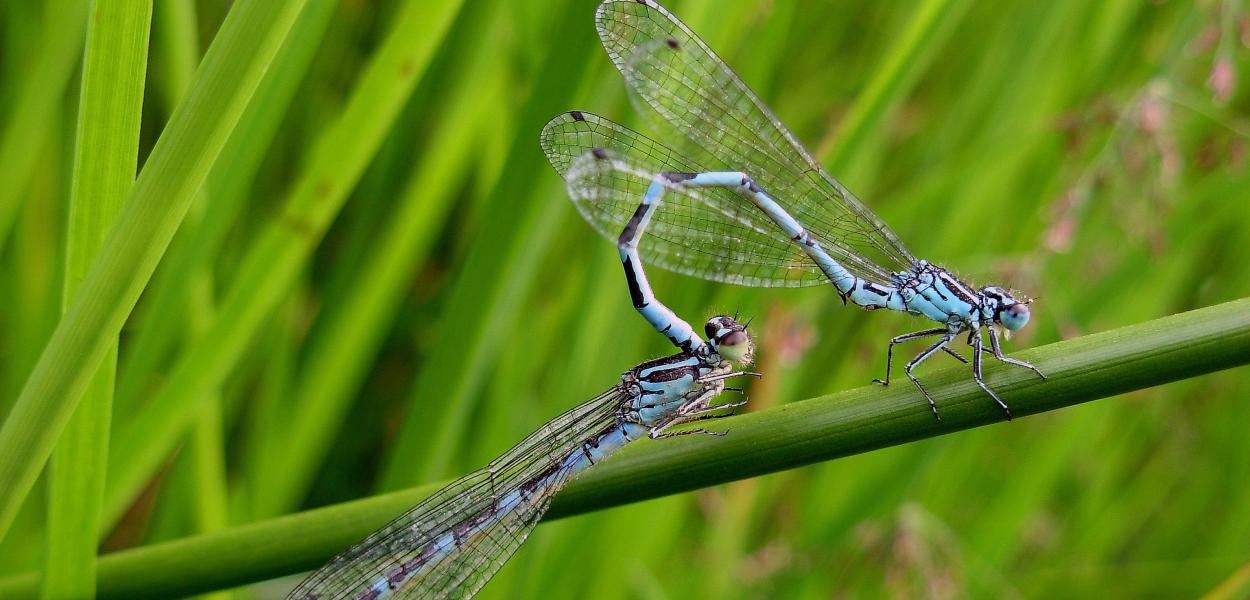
1091	154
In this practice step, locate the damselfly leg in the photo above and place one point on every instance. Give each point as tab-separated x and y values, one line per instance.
998	353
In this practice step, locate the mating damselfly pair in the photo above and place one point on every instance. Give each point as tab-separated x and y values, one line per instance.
751	207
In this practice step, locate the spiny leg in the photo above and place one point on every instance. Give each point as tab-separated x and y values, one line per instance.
714	379
698	405
695	410
703	405
958	356
709	409
723	376
889	352
659	432
655	312
656	435
946	339
998	353
977	350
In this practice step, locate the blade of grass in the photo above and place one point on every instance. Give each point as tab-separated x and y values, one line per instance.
273	264
209	469
33	290
1237	585
207	447
229	180
270	403
906	60
496	274
859	420
37	104
339	360
155	205
176	38
106	156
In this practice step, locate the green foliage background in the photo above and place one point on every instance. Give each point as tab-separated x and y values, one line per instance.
381	284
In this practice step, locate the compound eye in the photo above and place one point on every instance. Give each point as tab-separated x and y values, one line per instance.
735	346
1014	317
734	338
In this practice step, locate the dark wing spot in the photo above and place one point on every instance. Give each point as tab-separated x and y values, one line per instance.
577	115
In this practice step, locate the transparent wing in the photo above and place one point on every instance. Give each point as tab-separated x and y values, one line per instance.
709	233
674	73
453	542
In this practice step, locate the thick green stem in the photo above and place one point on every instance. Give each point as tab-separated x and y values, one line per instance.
850	422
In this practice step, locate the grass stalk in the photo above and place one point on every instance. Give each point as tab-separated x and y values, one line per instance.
859	420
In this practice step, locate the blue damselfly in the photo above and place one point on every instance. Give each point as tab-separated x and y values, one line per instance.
752	207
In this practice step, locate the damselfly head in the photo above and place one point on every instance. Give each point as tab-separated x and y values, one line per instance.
730	339
1012	313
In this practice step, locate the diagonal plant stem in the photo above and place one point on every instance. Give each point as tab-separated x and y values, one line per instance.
859	420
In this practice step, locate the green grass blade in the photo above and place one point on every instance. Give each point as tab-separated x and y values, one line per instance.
274	262
176	39
242	50
208	487
496	274
1237	585
40	96
859	420
903	64
338	360
229	180
209	469
106	157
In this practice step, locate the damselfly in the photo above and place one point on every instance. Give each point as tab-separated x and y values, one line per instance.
451	544
755	208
